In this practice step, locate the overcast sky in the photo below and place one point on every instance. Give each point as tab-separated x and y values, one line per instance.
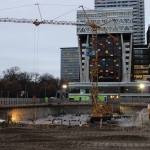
18	42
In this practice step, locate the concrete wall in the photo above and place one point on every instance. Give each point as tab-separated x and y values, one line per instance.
43	112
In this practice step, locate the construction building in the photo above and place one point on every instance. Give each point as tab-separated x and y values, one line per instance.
138	15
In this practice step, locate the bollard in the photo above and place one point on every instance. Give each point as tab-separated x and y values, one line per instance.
80	124
69	122
61	121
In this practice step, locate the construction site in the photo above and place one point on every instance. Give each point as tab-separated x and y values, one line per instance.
61	130
108	109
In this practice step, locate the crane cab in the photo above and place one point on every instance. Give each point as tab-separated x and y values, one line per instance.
89	51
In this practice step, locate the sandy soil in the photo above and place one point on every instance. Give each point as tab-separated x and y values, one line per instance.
73	138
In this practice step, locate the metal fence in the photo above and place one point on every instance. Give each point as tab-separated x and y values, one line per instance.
20	101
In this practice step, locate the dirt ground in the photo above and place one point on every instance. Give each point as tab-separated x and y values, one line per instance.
73	138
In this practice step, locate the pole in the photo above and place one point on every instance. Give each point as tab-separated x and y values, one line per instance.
45	91
142	93
8	97
17	98
25	90
61	96
27	97
100	123
8	94
34	112
1	96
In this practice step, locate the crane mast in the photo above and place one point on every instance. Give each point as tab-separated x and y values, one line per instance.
98	109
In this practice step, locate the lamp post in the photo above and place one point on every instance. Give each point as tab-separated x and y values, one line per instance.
141	87
64	86
8	98
25	91
1	96
45	90
8	94
17	97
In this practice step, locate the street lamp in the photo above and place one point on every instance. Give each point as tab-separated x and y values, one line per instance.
141	87
64	86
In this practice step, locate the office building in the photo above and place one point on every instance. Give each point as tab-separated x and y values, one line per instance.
114	58
148	36
138	15
123	66
141	61
69	64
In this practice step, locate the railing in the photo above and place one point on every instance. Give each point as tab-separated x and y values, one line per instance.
21	101
26	101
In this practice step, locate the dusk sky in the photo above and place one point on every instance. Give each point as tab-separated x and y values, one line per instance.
18	42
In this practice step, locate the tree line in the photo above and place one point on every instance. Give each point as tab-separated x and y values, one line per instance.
15	83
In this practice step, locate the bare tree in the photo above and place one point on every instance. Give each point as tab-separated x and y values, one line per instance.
12	73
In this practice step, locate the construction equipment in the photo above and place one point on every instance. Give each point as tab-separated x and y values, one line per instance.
99	110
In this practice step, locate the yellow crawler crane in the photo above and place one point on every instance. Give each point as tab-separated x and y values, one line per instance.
99	109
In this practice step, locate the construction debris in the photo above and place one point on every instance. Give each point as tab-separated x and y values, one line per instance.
139	119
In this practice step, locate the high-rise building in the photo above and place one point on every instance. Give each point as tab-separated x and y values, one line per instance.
123	66
138	15
69	64
148	36
141	61
114	58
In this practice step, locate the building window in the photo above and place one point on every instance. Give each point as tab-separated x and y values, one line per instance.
127	46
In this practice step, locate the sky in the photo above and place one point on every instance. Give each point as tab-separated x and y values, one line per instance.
37	49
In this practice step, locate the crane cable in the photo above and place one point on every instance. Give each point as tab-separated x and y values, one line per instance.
35	59
16	7
36	49
39	10
34	52
66	13
36	45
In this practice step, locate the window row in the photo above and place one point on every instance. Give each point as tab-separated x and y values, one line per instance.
105	14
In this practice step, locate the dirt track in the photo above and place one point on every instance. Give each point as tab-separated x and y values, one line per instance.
73	138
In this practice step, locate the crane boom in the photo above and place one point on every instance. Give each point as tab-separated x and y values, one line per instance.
52	22
37	22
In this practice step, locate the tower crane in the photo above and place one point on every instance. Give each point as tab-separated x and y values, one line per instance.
99	110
